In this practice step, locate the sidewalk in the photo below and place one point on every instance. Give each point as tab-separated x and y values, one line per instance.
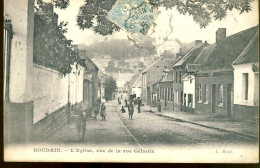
249	129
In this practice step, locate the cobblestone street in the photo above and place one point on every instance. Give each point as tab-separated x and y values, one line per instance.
145	129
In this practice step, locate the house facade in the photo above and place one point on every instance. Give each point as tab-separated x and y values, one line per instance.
136	88
189	79
150	80
214	84
246	82
179	69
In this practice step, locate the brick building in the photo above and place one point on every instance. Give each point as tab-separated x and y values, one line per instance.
214	84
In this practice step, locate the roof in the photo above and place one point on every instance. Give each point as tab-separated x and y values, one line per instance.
155	70
167	74
191	55
134	78
204	54
201	58
138	82
250	53
150	66
224	53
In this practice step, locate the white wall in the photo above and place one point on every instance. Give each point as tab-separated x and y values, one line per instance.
253	85
137	91
50	91
189	88
76	78
21	15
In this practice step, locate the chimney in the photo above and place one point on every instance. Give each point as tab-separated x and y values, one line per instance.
180	51
49	7
220	35
197	42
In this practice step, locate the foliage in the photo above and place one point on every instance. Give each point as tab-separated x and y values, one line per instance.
62	4
92	14
51	48
110	87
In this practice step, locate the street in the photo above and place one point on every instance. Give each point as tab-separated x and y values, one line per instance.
144	130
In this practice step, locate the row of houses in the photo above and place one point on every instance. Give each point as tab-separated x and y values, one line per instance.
220	79
37	98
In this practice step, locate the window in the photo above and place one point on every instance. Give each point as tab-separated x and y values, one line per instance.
180	76
220	95
190	80
160	93
177	96
206	93
200	93
245	86
176	76
184	101
171	94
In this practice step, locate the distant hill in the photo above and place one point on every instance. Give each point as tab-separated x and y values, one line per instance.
119	49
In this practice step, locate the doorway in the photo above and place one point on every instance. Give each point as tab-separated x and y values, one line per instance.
229	100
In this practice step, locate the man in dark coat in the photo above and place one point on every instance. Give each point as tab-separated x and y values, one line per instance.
139	102
131	110
159	106
84	120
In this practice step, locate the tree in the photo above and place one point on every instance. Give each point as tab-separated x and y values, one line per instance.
110	66
51	48
92	15
110	87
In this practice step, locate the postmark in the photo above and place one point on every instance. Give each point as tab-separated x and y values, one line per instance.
133	16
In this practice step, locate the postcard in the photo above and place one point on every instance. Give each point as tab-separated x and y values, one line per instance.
136	81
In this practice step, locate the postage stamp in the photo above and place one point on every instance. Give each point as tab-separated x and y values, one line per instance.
133	16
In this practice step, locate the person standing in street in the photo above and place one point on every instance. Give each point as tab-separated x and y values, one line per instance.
96	109
84	120
103	111
131	110
139	102
79	125
125	102
159	106
119	101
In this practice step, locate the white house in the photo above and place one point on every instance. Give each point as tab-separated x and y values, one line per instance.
246	81
137	87
189	90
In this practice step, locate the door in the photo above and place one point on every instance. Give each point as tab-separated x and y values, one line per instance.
229	100
213	98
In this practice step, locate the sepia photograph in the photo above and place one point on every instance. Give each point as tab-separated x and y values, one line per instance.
131	81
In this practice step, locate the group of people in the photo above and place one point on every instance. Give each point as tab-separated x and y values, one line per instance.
131	108
82	118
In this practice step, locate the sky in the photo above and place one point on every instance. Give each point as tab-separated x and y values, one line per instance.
184	28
